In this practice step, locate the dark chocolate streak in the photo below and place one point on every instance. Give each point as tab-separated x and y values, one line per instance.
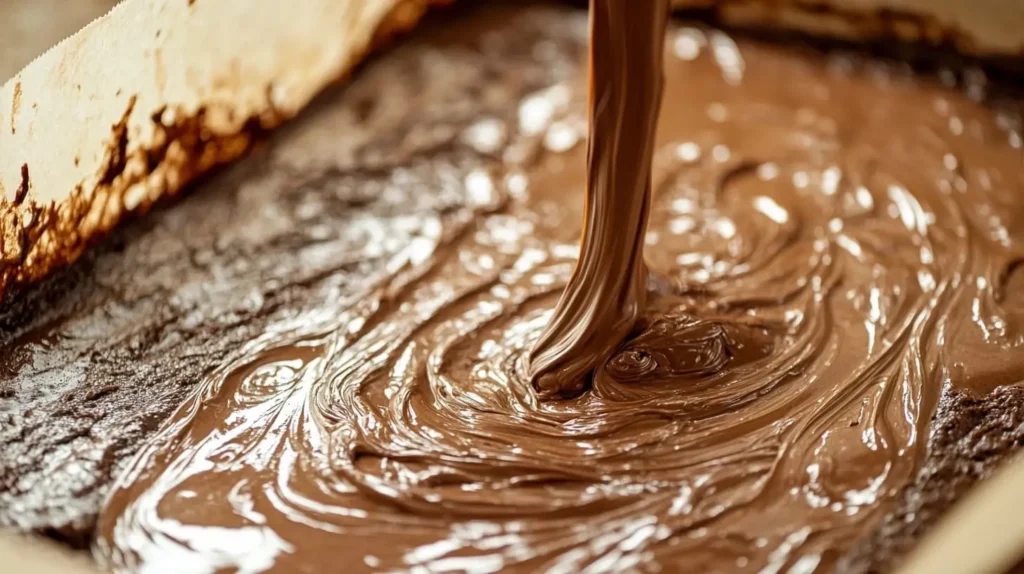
347	321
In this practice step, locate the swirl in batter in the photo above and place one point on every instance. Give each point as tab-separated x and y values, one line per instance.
831	243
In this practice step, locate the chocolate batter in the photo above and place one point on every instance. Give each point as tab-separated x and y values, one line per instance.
831	256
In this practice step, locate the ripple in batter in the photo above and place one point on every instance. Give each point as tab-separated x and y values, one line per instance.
832	241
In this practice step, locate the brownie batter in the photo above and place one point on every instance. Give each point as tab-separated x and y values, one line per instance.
833	249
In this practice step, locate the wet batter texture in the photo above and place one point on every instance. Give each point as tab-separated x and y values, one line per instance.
833	250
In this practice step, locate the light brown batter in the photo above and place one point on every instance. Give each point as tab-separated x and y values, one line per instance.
831	242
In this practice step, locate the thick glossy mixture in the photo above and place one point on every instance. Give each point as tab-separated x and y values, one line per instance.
831	242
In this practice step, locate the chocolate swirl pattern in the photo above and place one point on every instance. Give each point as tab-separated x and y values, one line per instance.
832	241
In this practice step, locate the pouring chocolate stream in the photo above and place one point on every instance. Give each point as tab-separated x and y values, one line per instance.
832	251
608	290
